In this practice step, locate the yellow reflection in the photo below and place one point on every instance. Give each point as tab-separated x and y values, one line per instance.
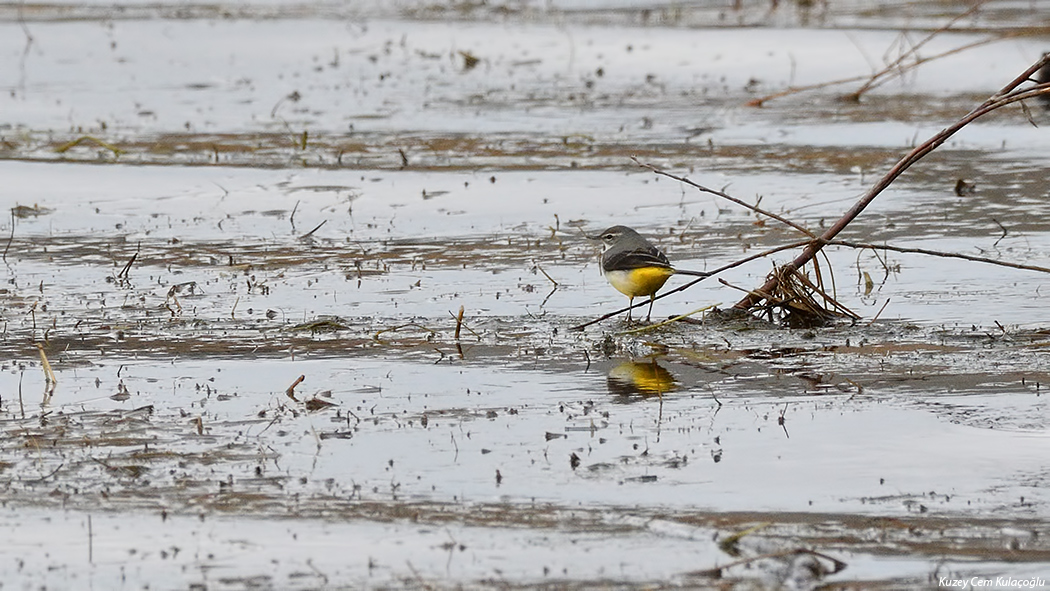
647	378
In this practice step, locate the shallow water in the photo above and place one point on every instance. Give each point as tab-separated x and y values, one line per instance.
209	202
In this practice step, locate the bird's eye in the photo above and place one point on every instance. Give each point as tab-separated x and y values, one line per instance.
607	237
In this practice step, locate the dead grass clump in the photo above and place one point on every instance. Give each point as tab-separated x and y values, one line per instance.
798	302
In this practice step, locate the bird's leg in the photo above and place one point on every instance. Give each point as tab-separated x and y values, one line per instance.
652	298
630	308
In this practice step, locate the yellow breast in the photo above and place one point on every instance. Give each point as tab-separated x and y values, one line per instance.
639	282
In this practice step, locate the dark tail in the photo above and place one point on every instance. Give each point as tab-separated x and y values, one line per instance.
693	273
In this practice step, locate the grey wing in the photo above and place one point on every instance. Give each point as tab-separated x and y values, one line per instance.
635	259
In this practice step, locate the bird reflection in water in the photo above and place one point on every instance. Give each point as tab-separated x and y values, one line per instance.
640	378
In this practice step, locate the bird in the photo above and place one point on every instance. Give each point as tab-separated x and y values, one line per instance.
635	266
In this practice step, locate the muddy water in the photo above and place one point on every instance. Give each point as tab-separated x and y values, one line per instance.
208	203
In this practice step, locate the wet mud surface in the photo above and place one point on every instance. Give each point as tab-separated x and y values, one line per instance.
240	238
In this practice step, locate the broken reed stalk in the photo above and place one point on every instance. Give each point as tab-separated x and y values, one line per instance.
125	272
50	381
459	322
290	392
1008	95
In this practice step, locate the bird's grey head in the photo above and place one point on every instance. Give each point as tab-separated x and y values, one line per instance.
611	235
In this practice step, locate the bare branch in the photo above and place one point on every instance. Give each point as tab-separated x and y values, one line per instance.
727	197
937	253
1007	95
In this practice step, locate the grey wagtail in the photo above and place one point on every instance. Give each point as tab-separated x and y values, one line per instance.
634	266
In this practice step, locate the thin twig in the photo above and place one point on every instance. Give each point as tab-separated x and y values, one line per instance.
549	278
882	77
896	67
1001	227
937	253
717	571
758	102
665	322
88	138
731	286
820	290
879	313
44	477
310	234
879	77
727	197
400	326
